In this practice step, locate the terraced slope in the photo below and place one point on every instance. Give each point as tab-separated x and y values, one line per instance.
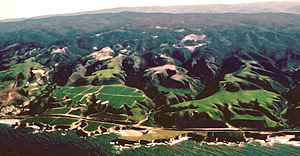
108	101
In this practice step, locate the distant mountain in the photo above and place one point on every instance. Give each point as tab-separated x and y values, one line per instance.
285	7
262	7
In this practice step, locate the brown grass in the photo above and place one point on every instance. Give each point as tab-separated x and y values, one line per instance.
8	96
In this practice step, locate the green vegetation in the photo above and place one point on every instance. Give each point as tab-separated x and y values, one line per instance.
58	111
177	91
63	121
234	100
92	126
108	125
75	93
250	75
238	73
138	114
126	100
110	116
117	95
111	74
237	99
50	120
76	112
20	71
41	119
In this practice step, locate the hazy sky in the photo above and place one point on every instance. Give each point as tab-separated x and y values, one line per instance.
30	8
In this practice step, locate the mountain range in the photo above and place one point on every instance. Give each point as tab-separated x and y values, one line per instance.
258	7
193	70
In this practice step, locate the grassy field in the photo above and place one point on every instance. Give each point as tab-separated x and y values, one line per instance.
63	121
92	126
124	100
117	95
76	112
109	116
76	93
41	119
108	125
58	111
50	120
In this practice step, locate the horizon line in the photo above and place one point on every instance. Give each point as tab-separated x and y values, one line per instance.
153	6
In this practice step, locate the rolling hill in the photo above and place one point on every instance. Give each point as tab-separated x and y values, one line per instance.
153	69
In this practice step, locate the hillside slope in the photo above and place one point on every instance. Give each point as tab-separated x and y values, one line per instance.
170	70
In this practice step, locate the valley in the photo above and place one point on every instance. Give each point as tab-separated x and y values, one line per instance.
145	79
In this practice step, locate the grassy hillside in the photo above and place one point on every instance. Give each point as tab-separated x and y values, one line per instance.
241	101
155	69
118	101
18	72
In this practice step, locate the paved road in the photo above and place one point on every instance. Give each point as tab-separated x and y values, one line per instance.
161	128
